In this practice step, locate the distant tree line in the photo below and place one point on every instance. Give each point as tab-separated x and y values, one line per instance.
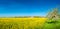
27	16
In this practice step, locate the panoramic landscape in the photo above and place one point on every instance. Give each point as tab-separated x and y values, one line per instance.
29	14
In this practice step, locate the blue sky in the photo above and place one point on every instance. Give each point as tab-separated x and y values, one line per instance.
26	7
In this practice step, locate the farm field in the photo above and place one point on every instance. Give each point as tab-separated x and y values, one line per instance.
27	23
22	23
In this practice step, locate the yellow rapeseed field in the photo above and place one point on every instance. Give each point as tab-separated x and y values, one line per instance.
24	23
